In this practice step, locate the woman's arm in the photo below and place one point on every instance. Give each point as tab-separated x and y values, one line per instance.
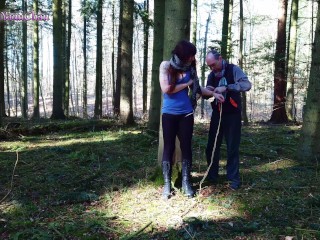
164	81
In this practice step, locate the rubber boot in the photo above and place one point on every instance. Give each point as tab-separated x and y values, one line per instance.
166	170
186	187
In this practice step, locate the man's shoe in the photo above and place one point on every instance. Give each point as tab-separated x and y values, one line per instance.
234	186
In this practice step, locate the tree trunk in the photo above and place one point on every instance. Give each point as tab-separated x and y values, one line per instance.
203	66
310	137
98	101
36	79
58	65
2	38
67	62
113	54
85	81
279	114
243	94
145	57
24	64
158	33
126	101
194	23
116	106
226	29
291	60
177	20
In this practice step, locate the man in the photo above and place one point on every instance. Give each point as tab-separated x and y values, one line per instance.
228	80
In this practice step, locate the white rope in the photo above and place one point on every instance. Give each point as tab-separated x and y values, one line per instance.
213	150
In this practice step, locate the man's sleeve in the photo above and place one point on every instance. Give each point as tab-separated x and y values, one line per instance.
241	81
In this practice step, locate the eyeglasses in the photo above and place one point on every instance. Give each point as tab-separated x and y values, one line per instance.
214	64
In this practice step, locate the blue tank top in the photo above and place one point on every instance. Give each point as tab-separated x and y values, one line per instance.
179	102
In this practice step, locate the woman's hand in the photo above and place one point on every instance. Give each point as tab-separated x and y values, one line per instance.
218	96
220	89
190	82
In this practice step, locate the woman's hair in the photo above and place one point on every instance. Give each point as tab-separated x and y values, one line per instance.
184	50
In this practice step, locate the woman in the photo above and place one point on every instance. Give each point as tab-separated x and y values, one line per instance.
177	112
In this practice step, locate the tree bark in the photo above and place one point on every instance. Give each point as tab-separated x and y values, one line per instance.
67	61
98	101
279	114
126	100
58	57
158	33
36	78
116	105
226	29
24	65
310	137
85	62
145	57
2	38
291	60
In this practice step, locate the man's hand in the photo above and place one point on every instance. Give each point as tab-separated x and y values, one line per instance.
210	88
220	89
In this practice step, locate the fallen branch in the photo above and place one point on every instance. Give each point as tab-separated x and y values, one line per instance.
11	185
136	233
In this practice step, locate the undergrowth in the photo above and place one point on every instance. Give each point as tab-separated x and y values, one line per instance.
96	180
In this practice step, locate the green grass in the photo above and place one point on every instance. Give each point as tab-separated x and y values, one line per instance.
96	180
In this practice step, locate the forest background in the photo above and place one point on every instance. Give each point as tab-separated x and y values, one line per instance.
259	44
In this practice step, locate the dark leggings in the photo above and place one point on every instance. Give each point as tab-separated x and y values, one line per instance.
182	127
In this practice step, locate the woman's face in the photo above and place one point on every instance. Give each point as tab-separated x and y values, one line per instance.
191	59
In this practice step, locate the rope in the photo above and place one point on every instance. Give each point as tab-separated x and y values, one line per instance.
11	185
213	150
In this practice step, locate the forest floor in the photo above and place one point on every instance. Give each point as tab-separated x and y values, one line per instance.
86	179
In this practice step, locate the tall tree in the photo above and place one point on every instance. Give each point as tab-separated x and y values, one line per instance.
146	25
279	114
36	78
177	21
203	65
226	29
85	62
291	60
126	101
58	63
194	22
2	64
155	96
243	94
113	16
98	101
24	64
67	58
310	137
116	96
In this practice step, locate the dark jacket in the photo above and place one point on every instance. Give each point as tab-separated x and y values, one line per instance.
232	103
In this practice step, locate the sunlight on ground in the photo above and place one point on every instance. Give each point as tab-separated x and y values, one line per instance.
142	205
9	207
276	165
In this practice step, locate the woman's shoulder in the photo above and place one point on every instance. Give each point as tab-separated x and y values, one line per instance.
164	65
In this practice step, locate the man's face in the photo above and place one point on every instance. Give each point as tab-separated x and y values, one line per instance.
213	63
